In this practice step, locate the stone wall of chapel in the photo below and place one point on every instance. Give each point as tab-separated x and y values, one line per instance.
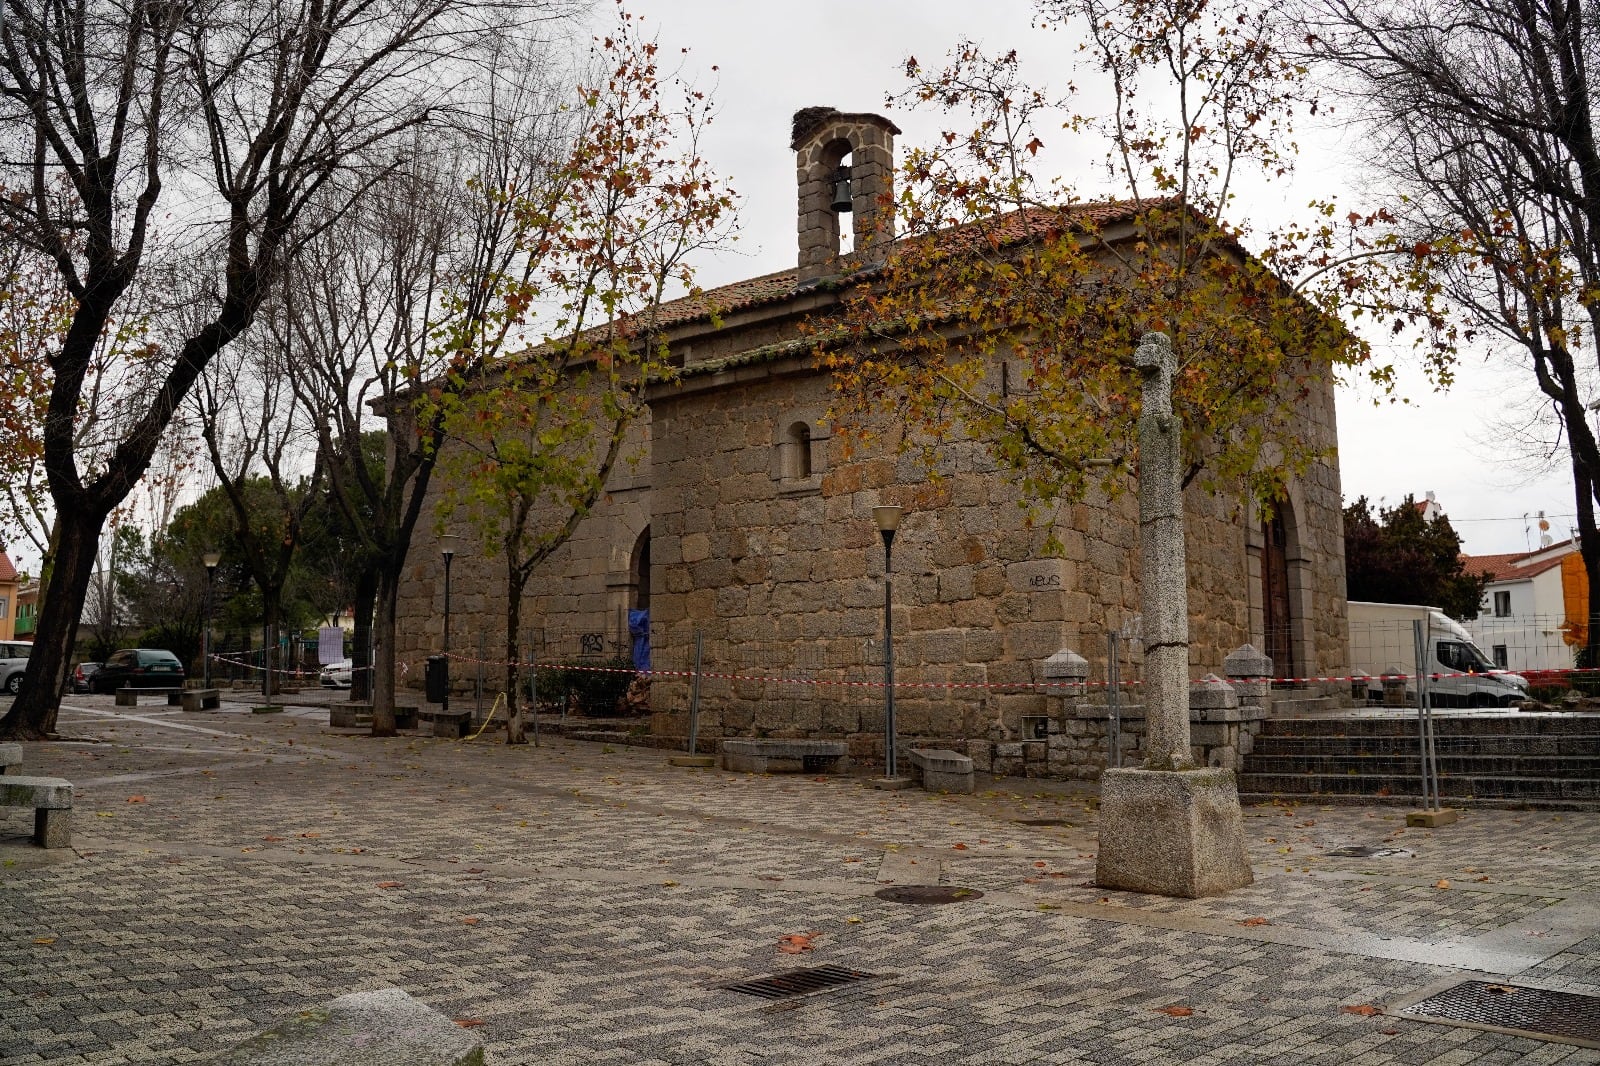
787	579
583	590
784	575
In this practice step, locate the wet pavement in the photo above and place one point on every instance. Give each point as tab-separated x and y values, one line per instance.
581	904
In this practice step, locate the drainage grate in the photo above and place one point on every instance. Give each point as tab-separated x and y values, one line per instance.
1043	821
1369	851
927	894
1535	1011
792	983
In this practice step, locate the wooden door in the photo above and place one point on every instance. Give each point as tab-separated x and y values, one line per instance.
1277	621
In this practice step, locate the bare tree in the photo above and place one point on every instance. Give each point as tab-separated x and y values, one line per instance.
1482	117
261	442
193	139
413	264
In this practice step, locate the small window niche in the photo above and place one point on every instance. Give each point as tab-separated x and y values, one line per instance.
797	464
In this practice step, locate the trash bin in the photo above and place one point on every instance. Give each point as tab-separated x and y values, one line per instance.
436	678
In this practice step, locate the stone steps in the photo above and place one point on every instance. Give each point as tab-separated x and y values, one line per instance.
1508	759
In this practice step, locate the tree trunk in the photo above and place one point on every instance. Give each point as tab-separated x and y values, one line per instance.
515	732
383	652
33	713
1589	549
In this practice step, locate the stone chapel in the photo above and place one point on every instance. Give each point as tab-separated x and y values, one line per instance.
744	521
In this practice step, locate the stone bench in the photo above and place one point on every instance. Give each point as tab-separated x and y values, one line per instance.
197	699
51	800
941	770
349	714
383	1028
451	724
129	697
10	758
770	755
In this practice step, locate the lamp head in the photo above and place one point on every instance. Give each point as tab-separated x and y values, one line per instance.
887	517
448	543
211	559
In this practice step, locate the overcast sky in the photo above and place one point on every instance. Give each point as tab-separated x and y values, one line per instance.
774	58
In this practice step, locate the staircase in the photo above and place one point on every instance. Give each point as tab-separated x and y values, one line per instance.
1514	759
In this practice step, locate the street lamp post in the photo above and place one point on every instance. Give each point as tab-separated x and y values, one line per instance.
447	548
888	519
211	559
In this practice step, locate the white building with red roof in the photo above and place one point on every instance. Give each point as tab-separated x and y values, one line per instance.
1533	607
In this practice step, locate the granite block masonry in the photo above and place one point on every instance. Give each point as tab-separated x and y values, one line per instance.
1168	828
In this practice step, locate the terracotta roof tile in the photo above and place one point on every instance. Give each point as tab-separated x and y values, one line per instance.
8	570
1505	567
779	286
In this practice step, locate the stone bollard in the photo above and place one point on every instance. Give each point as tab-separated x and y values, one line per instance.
1214	714
1250	673
1067	675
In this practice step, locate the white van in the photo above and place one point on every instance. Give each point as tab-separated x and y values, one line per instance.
1382	642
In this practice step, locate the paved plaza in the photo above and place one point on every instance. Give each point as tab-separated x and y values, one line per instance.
577	903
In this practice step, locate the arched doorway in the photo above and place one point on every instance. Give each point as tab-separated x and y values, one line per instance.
1277	611
639	567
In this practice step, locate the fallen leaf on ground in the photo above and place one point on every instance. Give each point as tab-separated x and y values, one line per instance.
1366	1010
137	799
310	835
45	940
669	884
391	884
1040	865
1255	921
795	943
471	921
1176	1012
469	1023
959	847
1441	883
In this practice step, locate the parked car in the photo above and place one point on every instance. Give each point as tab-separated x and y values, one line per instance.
13	661
81	675
337	675
138	668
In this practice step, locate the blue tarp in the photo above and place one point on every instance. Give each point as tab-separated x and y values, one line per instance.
639	630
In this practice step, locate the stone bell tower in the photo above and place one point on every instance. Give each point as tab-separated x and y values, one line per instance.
843	163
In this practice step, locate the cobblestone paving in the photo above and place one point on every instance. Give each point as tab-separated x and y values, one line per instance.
584	904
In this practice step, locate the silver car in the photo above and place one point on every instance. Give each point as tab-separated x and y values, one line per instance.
336	675
13	661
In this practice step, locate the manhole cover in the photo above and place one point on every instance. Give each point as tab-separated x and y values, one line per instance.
798	982
1044	821
927	894
1536	1011
1370	851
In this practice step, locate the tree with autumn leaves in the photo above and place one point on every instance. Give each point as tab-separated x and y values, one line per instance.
535	430
1008	307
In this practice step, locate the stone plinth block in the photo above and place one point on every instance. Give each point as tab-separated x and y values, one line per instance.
771	755
10	758
942	770
1171	833
382	1028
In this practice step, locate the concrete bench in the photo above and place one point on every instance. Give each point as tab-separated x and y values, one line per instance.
349	714
770	755
197	699
451	724
129	697
10	758
941	770
383	1028
51	800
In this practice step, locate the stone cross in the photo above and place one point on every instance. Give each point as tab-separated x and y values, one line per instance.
1163	578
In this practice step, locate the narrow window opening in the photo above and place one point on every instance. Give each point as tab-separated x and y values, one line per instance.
797	452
